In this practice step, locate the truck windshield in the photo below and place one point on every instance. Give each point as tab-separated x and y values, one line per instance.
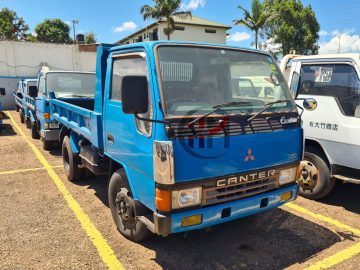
197	79
71	84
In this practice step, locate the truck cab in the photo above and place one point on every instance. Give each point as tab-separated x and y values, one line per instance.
184	144
332	131
61	84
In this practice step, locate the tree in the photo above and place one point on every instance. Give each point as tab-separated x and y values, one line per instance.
260	14
165	9
53	30
12	27
295	29
90	38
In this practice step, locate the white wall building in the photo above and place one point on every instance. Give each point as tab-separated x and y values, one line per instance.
20	60
191	29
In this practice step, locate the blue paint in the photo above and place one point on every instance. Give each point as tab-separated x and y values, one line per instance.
134	151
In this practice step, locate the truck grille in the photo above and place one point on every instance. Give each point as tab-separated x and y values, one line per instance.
215	126
216	195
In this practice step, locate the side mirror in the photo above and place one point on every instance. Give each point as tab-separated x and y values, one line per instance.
134	94
33	91
2	91
310	104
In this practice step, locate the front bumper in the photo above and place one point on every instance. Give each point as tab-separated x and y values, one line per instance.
211	215
50	134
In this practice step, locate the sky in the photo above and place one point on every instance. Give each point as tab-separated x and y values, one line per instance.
111	20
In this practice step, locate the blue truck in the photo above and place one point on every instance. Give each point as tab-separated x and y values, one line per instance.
2	93
62	84
21	94
190	135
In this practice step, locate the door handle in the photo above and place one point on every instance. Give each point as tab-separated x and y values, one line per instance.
110	138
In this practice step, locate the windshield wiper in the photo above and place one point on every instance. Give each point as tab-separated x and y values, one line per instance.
216	108
267	106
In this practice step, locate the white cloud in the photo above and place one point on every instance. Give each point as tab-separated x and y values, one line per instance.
346	42
323	33
193	4
126	26
238	36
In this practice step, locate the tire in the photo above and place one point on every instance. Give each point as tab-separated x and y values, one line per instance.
34	131
120	197
17	108
28	123
47	145
71	162
322	182
22	117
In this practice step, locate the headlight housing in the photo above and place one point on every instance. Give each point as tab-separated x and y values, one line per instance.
287	176
186	197
163	162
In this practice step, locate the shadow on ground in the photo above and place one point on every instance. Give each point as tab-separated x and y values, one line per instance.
346	195
7	130
272	240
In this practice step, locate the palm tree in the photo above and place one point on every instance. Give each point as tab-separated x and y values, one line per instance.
165	9
260	14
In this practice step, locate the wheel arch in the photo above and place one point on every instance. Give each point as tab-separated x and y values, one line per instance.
313	145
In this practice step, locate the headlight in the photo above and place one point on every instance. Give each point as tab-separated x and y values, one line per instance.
186	197
287	176
163	163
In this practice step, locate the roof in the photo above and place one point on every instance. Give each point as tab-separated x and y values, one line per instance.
355	56
194	20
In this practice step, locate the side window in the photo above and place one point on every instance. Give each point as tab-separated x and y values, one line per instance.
334	80
41	86
130	65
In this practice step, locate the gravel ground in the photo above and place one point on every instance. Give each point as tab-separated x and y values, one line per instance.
39	231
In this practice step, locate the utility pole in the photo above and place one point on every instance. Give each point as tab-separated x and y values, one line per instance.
339	43
74	22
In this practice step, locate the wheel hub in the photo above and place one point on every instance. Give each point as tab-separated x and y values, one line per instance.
309	175
125	208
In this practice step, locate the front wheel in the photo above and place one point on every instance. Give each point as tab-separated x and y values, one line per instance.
22	116
34	131
71	161
122	208
315	179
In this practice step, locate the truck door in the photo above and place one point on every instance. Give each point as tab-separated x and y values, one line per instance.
127	140
336	121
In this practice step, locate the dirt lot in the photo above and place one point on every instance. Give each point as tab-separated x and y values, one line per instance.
40	230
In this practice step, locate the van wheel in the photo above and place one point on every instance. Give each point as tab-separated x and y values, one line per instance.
22	116
34	131
122	208
315	180
71	161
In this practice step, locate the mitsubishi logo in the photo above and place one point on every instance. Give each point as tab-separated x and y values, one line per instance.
249	155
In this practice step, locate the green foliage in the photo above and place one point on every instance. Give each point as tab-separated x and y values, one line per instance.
54	31
296	28
260	14
12	27
90	38
165	9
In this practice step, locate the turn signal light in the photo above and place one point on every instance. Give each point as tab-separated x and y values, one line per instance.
286	196
163	200
192	220
47	115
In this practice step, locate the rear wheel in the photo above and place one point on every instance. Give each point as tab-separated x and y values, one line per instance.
28	122
22	116
34	131
315	179
122	208
71	161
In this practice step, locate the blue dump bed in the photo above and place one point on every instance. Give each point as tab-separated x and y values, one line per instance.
77	114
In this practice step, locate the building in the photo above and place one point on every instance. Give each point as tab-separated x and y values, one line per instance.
191	29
